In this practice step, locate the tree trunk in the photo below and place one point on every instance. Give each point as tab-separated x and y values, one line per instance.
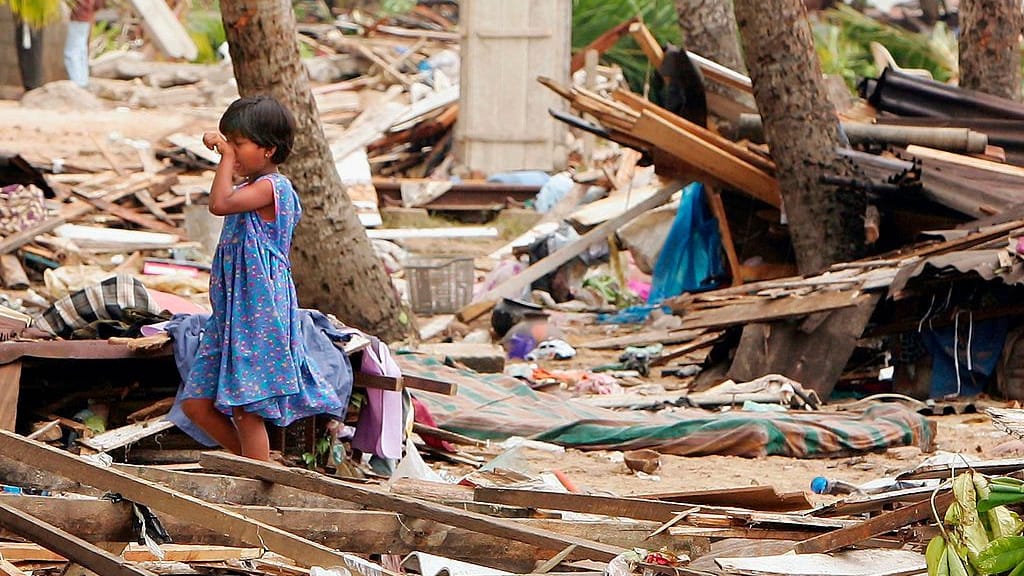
709	29
335	268
802	130
990	46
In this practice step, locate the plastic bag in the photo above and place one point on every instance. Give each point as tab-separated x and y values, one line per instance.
691	259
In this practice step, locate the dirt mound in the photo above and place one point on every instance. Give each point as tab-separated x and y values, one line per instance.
61	95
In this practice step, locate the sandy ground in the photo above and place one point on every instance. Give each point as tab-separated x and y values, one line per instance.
969	434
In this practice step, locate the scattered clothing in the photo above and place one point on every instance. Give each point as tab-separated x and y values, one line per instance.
380	428
120	302
318	337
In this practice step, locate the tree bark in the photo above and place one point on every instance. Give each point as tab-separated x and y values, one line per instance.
990	46
335	268
802	130
709	29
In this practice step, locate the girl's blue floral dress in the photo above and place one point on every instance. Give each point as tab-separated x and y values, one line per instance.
251	353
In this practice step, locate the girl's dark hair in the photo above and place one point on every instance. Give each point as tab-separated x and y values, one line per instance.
263	120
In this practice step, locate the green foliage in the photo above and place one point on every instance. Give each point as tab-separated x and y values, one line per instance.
591	18
207	31
36	13
319	454
392	7
843	39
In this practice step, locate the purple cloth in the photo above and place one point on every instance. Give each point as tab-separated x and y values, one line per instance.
251	354
379	430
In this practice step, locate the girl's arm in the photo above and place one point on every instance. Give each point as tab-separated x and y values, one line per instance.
224	198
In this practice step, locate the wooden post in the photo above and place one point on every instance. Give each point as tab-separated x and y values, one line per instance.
590	71
718	210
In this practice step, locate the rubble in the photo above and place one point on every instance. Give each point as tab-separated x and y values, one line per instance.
614	370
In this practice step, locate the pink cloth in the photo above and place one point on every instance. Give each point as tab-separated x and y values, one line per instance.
379	429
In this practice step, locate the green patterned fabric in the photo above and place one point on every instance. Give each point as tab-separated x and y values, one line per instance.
495	407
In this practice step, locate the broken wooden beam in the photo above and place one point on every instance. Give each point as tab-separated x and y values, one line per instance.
365	531
708	158
125	435
67	545
166	500
777	309
872	527
315	482
752	497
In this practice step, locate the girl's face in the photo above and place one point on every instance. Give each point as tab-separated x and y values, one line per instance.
251	159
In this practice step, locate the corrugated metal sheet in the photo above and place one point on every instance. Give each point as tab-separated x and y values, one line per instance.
908	95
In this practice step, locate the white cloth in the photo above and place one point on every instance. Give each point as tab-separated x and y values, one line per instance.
76	52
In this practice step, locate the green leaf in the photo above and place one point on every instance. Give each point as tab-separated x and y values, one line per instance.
1003	522
1001	555
935	556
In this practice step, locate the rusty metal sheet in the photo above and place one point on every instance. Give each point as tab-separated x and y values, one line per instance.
984	263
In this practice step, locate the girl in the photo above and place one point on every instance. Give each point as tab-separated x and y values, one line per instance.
251	365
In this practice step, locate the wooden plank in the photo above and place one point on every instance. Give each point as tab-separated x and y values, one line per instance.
601	210
874	502
314	482
10	387
708	158
8	569
696	344
752	497
640	104
876	526
643	37
643	338
67	545
125	435
718	210
168	501
73	350
144	197
13	274
813	352
155	409
787	307
602	43
32	552
553	261
144	220
990	467
658	511
364	532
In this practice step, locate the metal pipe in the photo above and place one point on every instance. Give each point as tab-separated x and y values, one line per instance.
859	133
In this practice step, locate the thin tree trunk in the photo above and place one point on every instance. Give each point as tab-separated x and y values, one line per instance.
335	268
990	46
709	29
802	130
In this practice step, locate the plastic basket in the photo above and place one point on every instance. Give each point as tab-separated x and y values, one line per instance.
439	285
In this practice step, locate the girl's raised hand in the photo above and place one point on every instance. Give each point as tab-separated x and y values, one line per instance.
214	141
